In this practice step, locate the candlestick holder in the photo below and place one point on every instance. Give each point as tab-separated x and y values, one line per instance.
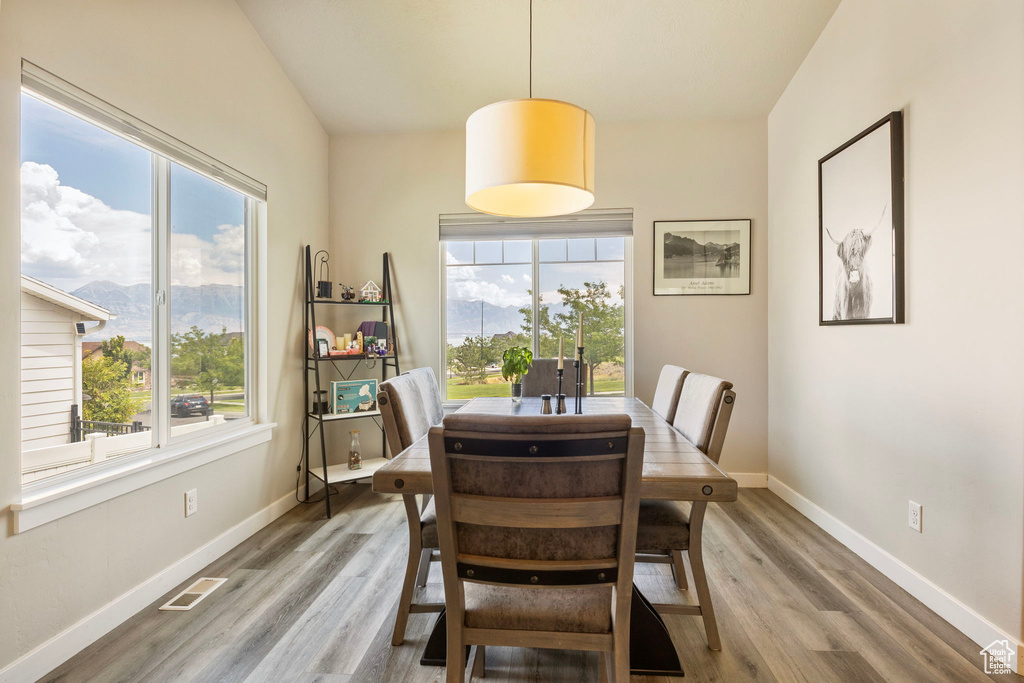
559	407
578	364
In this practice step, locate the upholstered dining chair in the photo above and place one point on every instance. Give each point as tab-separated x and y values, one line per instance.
666	394
409	405
666	532
537	520
543	378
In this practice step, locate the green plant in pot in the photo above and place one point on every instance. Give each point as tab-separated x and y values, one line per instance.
516	362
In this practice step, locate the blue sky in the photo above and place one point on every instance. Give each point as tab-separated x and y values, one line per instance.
86	209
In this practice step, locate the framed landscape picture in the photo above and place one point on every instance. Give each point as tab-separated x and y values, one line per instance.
702	257
860	228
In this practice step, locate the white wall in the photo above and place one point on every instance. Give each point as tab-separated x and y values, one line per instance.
387	192
198	70
865	418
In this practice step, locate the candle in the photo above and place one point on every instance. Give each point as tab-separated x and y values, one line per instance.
561	355
579	333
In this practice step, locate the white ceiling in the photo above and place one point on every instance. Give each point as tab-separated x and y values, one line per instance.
401	65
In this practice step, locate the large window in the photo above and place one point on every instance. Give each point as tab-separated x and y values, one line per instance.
134	296
529	292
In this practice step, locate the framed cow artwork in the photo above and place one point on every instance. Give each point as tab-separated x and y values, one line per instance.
860	228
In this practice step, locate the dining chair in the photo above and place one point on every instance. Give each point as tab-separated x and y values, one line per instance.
409	405
666	394
666	532
537	524
543	378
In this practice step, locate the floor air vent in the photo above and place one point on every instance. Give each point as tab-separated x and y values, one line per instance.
190	597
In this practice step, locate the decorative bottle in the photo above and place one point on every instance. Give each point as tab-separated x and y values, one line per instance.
355	459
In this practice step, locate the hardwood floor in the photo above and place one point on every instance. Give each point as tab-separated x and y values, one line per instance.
313	601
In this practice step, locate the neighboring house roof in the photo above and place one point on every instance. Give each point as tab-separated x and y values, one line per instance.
95	349
59	297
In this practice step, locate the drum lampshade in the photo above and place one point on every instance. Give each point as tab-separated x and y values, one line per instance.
530	158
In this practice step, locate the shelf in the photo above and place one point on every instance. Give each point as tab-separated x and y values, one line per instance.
337	474
349	303
349	356
344	416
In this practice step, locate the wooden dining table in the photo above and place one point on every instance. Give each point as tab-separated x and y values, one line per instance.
674	469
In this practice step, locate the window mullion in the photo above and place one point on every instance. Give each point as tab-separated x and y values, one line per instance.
160	397
535	265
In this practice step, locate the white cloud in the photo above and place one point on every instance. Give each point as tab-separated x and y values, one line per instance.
492	293
70	238
508	279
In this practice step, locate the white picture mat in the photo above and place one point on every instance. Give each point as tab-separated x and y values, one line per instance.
856	192
703	231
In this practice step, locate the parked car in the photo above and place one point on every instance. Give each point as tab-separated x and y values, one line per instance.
186	406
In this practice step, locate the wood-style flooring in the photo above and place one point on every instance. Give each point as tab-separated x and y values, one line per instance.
313	600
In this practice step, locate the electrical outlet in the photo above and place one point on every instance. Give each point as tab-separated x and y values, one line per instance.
191	502
915	516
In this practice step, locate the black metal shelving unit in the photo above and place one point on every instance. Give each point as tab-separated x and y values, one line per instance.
337	474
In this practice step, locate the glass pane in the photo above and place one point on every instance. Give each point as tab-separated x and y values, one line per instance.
488	252
207	302
488	310
85	259
459	252
581	249
611	248
552	250
597	291
518	251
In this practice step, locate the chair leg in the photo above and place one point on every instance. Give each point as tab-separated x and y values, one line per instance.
707	611
602	666
455	664
409	585
620	663
679	569
479	663
424	570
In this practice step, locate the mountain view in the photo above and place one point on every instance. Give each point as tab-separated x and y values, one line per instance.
464	319
687	246
209	307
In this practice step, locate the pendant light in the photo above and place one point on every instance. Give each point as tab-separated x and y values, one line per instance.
530	157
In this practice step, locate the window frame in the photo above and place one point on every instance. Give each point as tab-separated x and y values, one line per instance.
535	264
50	498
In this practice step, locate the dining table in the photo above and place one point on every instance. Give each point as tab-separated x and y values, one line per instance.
674	469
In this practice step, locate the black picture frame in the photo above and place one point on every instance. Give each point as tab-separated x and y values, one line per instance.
322	347
848	297
702	285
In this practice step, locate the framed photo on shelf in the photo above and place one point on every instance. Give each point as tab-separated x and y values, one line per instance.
860	228
702	257
322	347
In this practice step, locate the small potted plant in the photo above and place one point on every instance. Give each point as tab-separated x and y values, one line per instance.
516	362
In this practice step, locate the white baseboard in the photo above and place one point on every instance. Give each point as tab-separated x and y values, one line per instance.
962	617
750	480
73	640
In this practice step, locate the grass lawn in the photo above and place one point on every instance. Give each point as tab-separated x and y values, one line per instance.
229	407
458	391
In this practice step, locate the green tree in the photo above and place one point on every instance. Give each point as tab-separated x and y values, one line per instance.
603	325
205	362
113	349
108	391
473	356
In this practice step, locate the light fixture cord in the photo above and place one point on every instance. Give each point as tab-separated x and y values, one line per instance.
531	49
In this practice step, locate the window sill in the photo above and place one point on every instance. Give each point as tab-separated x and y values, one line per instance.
45	502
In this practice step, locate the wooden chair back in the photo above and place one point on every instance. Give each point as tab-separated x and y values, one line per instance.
538	502
703	412
666	395
543	378
409	405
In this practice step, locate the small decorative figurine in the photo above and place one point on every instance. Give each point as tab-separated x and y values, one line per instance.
370	293
347	292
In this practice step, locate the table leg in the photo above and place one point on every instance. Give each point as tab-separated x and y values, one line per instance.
651	652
